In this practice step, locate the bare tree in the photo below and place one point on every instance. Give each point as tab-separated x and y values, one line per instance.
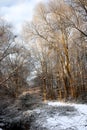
59	30
15	61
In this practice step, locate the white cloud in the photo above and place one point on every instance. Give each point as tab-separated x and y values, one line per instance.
17	12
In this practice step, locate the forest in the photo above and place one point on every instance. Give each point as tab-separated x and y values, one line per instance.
53	46
49	55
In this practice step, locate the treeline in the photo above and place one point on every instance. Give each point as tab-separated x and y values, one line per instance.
54	48
58	32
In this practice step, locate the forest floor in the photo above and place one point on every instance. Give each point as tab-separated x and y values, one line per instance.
30	113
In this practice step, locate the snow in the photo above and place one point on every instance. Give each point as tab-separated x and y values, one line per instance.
76	122
60	116
57	103
82	108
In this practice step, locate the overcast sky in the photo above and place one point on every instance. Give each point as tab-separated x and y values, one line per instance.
17	11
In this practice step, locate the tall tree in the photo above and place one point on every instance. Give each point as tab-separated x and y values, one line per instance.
59	28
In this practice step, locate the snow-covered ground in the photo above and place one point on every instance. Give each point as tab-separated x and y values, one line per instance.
61	116
76	122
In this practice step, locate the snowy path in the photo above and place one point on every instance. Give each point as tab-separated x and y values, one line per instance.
61	116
